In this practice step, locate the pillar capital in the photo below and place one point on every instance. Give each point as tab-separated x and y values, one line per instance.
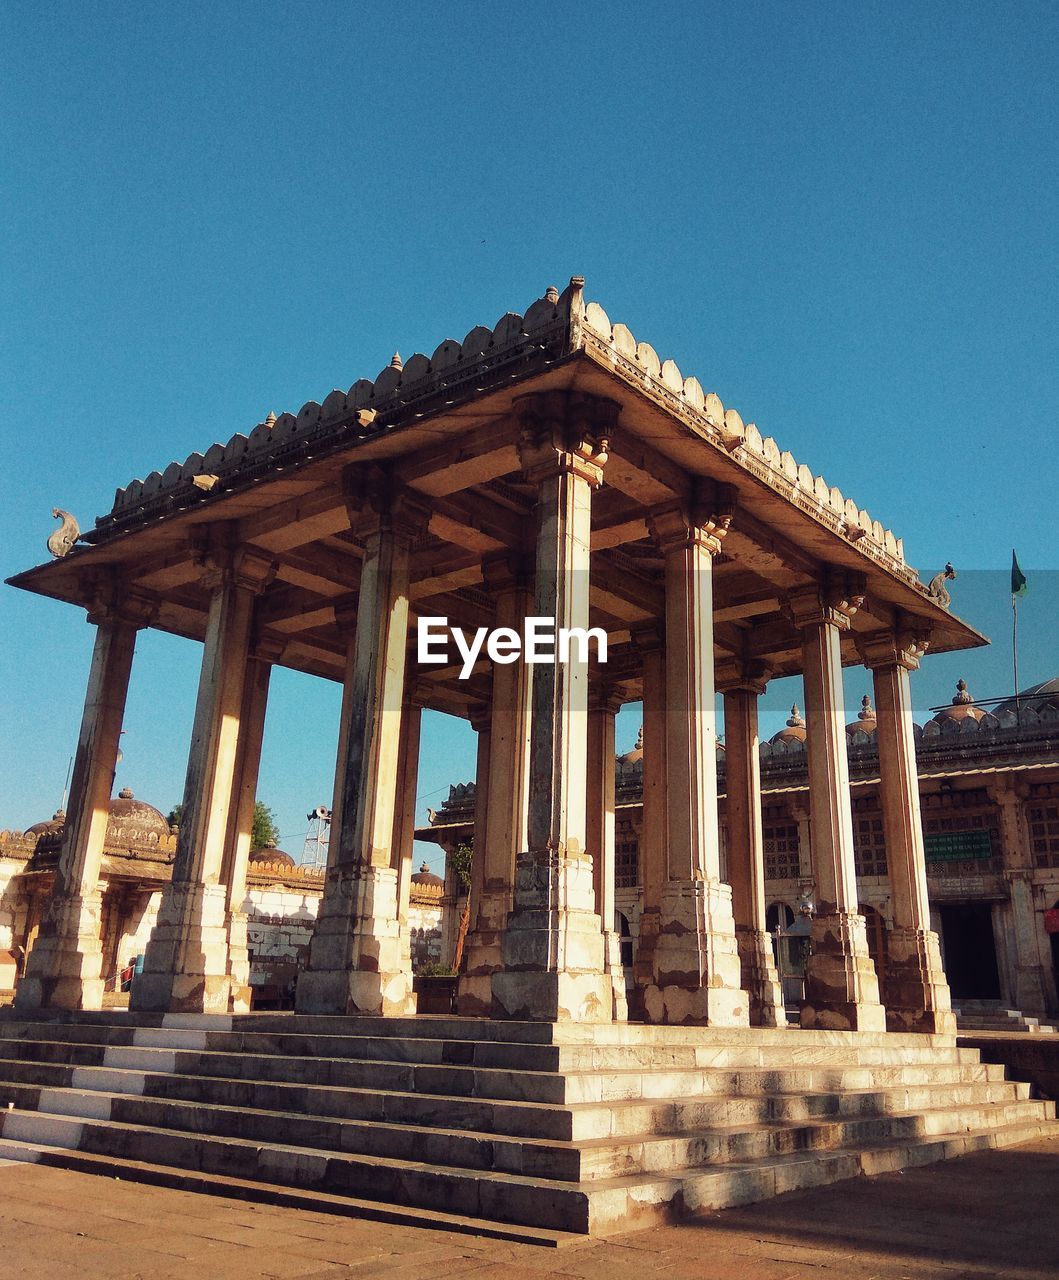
832	602
750	675
480	716
372	489
648	638
223	564
507	571
901	647
268	649
701	521
605	696
564	431
112	603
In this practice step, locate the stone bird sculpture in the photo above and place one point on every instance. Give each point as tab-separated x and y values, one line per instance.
62	540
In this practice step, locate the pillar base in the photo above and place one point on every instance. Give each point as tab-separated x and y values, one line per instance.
483	956
358	961
185	966
553	955
615	970
238	964
916	992
695	976
760	978
841	986
64	969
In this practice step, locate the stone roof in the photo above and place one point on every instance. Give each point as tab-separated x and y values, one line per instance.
555	325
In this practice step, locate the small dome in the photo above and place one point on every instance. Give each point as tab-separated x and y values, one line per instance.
795	730
865	721
961	708
1038	696
425	876
267	854
54	824
636	754
127	814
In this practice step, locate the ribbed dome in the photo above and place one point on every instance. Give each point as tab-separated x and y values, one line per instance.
636	754
270	854
961	708
865	721
425	876
795	730
1037	696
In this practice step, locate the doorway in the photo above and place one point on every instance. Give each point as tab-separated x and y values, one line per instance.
969	950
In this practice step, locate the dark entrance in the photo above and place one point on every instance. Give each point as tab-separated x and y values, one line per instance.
970	951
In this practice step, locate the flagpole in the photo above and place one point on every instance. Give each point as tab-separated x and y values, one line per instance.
1015	652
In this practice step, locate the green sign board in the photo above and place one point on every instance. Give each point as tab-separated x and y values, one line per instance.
956	846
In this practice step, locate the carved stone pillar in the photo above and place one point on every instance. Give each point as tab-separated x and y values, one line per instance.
553	943
1030	984
407	786
241	819
604	704
500	817
841	987
654	843
186	960
357	958
746	846
695	966
915	990
64	967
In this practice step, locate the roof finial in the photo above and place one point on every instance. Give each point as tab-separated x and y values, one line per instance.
795	721
270	419
867	711
963	694
551	294
639	739
126	794
396	362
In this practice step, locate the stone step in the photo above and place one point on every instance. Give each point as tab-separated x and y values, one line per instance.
430	1026
636	1202
490	1116
494	1195
701	1047
275	1194
464	1081
601	1157
599	1207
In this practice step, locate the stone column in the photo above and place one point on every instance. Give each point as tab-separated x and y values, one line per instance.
64	967
405	812
841	987
241	820
500	817
654	842
915	990
1030	989
604	704
553	944
746	844
696	977
186	960
357	961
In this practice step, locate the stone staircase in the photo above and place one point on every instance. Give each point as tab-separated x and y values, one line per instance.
990	1015
520	1130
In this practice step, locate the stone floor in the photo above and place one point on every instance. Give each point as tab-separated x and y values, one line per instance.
991	1214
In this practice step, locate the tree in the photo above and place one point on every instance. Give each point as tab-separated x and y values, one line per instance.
263	833
461	859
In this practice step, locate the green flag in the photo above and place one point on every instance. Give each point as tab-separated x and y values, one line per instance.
1018	578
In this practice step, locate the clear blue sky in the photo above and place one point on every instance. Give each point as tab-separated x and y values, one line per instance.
842	218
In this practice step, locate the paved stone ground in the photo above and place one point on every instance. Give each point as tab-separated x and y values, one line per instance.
992	1214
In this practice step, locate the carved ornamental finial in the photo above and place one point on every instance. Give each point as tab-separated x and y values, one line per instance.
395	361
796	720
126	794
551	294
639	740
963	694
936	588
270	420
867	711
62	541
